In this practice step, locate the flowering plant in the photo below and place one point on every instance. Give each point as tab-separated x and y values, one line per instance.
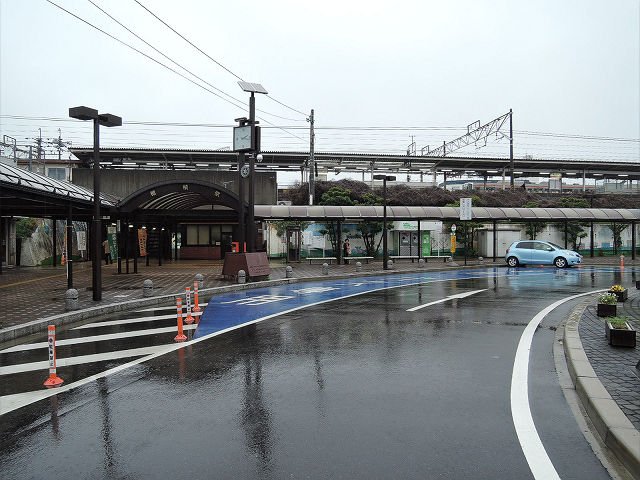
618	322
608	299
617	288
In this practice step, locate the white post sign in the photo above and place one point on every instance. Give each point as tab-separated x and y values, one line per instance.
465	209
81	237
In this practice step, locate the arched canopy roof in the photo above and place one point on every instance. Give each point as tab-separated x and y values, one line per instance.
351	212
179	195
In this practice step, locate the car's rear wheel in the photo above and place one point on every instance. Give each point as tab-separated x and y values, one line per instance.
560	262
512	262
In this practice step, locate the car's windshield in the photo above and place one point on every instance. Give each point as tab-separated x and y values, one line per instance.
557	246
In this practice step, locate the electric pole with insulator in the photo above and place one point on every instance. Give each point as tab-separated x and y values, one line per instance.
312	169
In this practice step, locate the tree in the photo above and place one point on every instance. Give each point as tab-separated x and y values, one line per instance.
26	226
616	230
574	229
533	228
369	229
281	225
335	196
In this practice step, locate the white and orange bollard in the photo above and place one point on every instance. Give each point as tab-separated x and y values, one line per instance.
621	261
53	380
189	320
196	307
181	337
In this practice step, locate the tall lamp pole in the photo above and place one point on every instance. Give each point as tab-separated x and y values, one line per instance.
252	146
107	120
385	253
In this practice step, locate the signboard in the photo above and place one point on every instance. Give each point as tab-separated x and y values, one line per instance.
453	227
412	226
254	264
406	226
555	181
113	242
81	237
142	241
453	243
465	209
425	244
431	226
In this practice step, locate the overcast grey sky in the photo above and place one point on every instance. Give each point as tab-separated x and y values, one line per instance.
430	68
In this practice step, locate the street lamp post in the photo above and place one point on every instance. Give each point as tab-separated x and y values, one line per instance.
107	120
253	146
385	253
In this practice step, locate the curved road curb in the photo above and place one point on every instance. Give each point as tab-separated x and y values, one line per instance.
615	429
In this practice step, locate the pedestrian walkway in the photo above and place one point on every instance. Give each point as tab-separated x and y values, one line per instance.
615	366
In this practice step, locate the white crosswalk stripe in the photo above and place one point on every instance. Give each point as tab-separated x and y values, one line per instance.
98	338
127	321
81	359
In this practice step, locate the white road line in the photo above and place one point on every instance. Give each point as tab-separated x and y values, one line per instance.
128	321
450	297
173	307
9	403
80	359
98	338
535	453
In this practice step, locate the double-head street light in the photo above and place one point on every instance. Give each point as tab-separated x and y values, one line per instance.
106	120
385	253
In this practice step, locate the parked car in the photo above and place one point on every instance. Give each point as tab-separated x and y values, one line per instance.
536	252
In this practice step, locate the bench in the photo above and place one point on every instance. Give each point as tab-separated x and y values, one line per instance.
404	257
447	258
324	259
416	257
357	259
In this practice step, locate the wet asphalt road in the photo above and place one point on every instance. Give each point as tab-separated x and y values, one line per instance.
351	388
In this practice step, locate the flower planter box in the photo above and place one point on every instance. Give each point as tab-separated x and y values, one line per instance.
606	310
622	296
620	337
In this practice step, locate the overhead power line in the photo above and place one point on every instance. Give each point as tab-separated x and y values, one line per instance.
242	107
142	53
189	42
178	64
211	58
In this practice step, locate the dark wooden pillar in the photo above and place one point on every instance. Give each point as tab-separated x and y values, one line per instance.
69	234
55	242
126	245
136	247
339	237
495	239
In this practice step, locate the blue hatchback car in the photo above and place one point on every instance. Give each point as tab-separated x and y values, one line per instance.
536	252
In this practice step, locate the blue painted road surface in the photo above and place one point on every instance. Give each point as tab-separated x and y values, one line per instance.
402	376
226	311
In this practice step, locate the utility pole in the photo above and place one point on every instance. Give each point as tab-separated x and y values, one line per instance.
312	163
511	146
44	168
58	144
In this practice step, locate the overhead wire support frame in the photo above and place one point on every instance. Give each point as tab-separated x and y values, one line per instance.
472	136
